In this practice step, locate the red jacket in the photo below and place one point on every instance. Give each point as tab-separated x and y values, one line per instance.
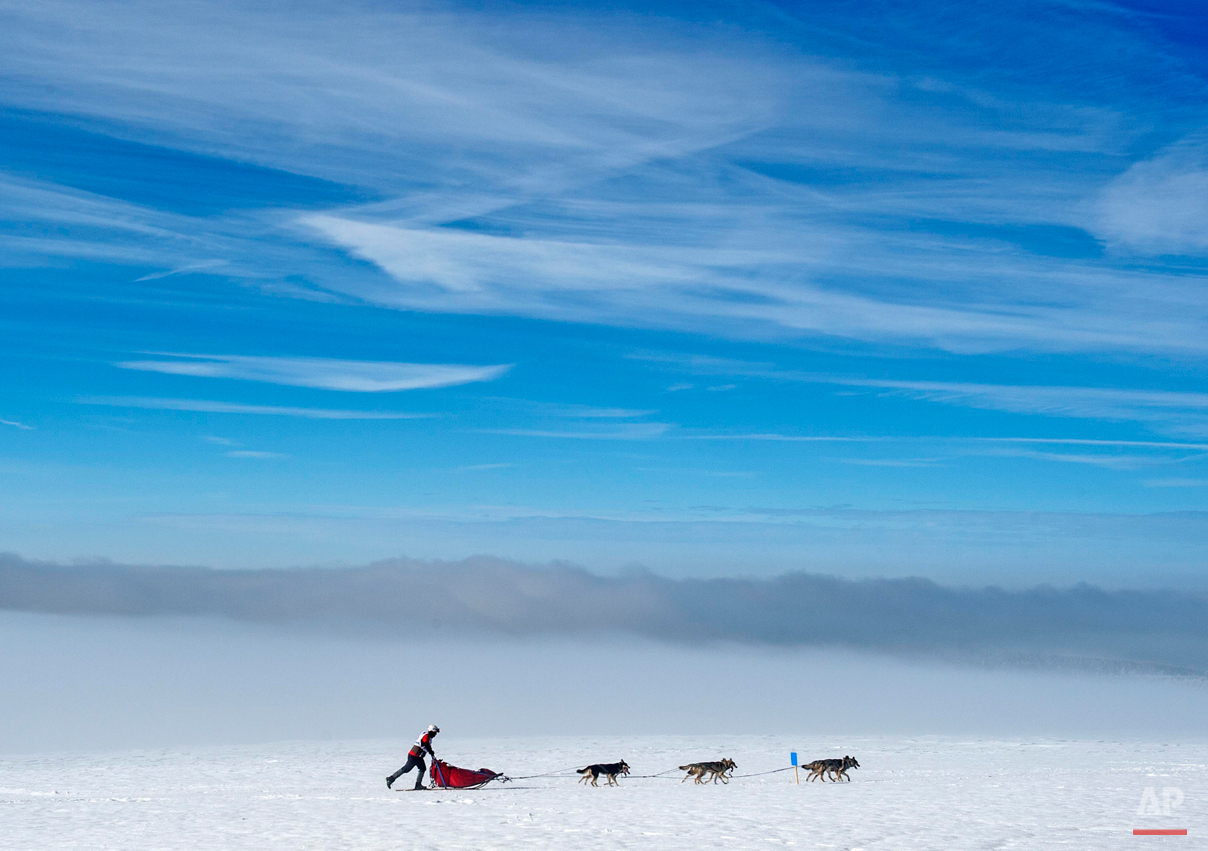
422	744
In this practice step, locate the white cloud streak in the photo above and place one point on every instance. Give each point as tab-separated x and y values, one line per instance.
16	424
890	462
1173	412
787	438
622	431
183	270
207	407
1050	441
568	411
1159	205
1107	461
1071	441
1176	482
769	290
644	176
1160	452
322	373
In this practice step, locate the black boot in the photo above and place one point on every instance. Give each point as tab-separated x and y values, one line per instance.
390	780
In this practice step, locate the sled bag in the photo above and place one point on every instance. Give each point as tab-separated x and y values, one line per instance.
445	776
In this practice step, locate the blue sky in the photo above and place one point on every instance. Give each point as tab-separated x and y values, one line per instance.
875	288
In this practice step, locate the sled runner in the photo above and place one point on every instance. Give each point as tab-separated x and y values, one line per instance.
445	776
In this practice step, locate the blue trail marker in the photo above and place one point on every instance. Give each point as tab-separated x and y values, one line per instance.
793	760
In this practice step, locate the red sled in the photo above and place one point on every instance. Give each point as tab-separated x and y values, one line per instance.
445	776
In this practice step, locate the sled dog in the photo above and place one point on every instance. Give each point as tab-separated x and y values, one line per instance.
715	770
836	768
610	770
848	762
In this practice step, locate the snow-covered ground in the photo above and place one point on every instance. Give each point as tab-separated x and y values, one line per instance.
908	793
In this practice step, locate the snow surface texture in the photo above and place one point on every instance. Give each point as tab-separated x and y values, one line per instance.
908	793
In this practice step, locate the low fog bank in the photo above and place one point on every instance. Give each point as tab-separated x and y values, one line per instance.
1081	626
89	683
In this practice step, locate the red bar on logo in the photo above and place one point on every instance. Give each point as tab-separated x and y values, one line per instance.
1139	832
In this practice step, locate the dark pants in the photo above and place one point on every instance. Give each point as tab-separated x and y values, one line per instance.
413	761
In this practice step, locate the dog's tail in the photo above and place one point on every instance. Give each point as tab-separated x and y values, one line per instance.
685	767
583	770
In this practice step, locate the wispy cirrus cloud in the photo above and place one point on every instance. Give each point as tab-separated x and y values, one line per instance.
704	178
183	270
776	437
1173	412
16	424
591	412
562	420
619	431
1077	441
323	373
1100	453
891	462
208	407
767	289
569	410
1086	402
1111	461
1159	205
1176	482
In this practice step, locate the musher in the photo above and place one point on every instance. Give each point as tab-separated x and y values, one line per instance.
415	758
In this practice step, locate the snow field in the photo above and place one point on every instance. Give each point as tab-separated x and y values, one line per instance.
908	793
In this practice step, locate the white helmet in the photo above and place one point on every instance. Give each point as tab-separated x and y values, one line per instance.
432	728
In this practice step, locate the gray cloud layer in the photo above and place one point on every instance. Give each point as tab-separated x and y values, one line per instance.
1082	626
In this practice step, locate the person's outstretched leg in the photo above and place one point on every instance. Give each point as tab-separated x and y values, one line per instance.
410	764
396	775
